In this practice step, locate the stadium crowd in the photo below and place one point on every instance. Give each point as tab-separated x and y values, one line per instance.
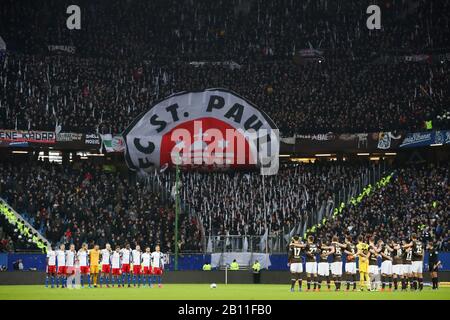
118	70
241	203
82	203
130	54
416	201
90	95
224	29
11	241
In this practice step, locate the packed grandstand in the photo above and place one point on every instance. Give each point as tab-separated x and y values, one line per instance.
82	203
132	54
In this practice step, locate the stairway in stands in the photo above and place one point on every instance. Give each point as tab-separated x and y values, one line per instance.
19	219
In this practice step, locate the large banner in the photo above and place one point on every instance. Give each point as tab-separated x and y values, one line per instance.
78	141
230	64
332	142
20	138
307	143
416	58
62	140
308	55
427	138
61	49
113	143
214	128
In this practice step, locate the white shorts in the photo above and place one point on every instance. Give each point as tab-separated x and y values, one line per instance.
373	269
296	267
324	269
350	267
397	269
336	268
406	268
311	267
417	267
386	267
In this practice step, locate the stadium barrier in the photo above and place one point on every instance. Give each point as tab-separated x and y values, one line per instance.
23	227
207	277
352	201
186	262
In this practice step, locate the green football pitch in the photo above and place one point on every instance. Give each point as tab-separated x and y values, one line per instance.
204	292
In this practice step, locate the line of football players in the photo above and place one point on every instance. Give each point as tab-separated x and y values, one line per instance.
122	266
402	263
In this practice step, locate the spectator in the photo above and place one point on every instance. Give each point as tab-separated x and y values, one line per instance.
415	201
18	265
109	207
256	267
234	266
122	64
206	267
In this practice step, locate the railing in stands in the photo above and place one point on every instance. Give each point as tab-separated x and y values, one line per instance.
25	222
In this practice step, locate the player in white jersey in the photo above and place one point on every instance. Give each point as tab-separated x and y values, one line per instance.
136	255
70	265
106	265
51	266
126	261
147	267
83	259
115	262
62	269
157	265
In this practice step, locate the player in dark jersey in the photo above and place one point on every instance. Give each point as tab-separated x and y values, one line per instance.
374	274
295	262
433	263
324	267
336	263
386	265
311	262
407	262
417	262
397	263
350	263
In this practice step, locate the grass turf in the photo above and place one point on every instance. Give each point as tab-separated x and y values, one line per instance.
204	292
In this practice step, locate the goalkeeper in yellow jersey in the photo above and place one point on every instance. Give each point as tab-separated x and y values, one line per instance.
94	257
363	254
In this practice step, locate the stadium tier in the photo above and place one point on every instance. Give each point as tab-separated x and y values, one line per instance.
74	94
416	200
142	139
82	202
363	82
223	30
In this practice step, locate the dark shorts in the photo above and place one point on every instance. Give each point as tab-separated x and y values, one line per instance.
432	268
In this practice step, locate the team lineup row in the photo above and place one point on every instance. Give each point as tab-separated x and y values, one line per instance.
105	266
401	261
